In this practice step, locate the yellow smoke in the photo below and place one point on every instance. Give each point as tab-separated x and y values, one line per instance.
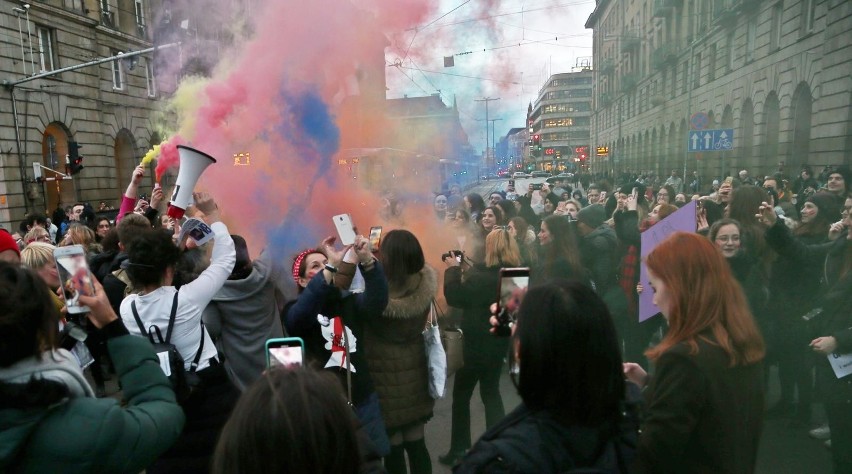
152	155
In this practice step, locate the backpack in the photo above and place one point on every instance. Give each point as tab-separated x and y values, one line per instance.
171	361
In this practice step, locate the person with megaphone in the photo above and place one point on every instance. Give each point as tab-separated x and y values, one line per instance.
152	257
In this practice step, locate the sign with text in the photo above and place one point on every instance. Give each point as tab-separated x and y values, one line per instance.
710	140
682	220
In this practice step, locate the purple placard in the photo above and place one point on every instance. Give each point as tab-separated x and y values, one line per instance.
682	220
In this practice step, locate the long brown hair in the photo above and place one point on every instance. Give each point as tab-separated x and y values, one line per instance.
705	297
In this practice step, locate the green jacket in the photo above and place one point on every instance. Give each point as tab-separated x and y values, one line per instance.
84	434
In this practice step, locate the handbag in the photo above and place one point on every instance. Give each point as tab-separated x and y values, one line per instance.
436	358
452	339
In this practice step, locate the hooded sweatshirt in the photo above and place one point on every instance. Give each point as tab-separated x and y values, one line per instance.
243	315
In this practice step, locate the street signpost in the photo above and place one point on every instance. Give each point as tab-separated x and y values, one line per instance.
710	140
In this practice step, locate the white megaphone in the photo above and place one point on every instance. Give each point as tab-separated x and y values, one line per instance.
192	164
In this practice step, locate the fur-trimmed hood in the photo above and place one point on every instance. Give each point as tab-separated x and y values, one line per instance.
417	297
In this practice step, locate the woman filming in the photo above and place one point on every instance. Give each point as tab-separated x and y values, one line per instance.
563	332
483	353
704	404
51	420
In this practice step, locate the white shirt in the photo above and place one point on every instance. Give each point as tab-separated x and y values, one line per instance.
154	308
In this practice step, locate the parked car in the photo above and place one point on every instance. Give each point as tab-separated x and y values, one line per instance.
540	174
520	175
560	176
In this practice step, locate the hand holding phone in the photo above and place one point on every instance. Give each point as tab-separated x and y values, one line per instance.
285	352
375	237
75	279
510	293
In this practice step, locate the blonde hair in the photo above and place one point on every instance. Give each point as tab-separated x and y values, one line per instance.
34	233
37	255
501	249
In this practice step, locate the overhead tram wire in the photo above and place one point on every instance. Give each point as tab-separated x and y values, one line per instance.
498	15
417	30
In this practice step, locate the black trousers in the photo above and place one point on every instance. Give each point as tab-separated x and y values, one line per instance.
488	378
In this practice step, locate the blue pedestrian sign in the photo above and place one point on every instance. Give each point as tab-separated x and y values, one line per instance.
710	140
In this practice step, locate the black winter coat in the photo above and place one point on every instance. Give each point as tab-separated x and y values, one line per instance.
474	293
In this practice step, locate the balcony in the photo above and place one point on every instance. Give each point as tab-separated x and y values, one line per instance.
107	19
606	100
664	56
747	6
607	66
629	81
663	8
725	15
630	40
658	100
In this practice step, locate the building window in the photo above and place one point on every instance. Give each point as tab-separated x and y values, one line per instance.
729	53
117	73
149	78
751	36
775	39
711	64
108	17
808	15
685	75
45	48
696	71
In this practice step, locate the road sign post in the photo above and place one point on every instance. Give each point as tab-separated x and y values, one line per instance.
710	140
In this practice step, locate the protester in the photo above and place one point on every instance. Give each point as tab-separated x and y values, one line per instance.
152	259
397	353
483	354
51	420
330	321
291	420
704	403
245	312
563	332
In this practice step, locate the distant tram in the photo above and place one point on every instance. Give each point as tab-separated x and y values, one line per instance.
380	169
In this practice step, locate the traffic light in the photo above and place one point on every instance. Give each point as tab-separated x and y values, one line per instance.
75	161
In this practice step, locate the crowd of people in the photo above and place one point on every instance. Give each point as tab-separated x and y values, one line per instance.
765	280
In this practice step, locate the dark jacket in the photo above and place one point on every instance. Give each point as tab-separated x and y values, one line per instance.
701	415
599	253
320	315
87	434
532	441
474	292
397	353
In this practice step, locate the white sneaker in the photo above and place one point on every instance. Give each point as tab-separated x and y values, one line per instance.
821	432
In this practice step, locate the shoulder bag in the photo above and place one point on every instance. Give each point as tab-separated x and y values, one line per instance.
436	357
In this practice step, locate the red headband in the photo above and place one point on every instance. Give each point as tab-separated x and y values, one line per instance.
298	262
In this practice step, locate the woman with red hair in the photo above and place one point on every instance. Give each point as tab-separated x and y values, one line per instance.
704	404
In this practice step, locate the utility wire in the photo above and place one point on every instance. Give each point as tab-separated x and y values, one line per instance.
417	30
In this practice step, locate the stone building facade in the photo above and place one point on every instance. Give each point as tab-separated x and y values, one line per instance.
779	73
107	109
560	121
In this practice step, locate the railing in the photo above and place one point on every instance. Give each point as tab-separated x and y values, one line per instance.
106	19
630	40
629	81
606	100
607	66
664	56
663	8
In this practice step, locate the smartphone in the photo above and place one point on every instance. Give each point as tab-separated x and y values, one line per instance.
729	180
560	208
635	193
602	199
375	237
510	292
74	276
343	223
284	352
536	186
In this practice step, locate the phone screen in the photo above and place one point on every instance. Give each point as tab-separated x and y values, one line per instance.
74	275
513	286
284	352
375	237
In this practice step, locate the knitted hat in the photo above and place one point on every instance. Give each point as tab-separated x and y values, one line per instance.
8	243
593	216
297	263
828	205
